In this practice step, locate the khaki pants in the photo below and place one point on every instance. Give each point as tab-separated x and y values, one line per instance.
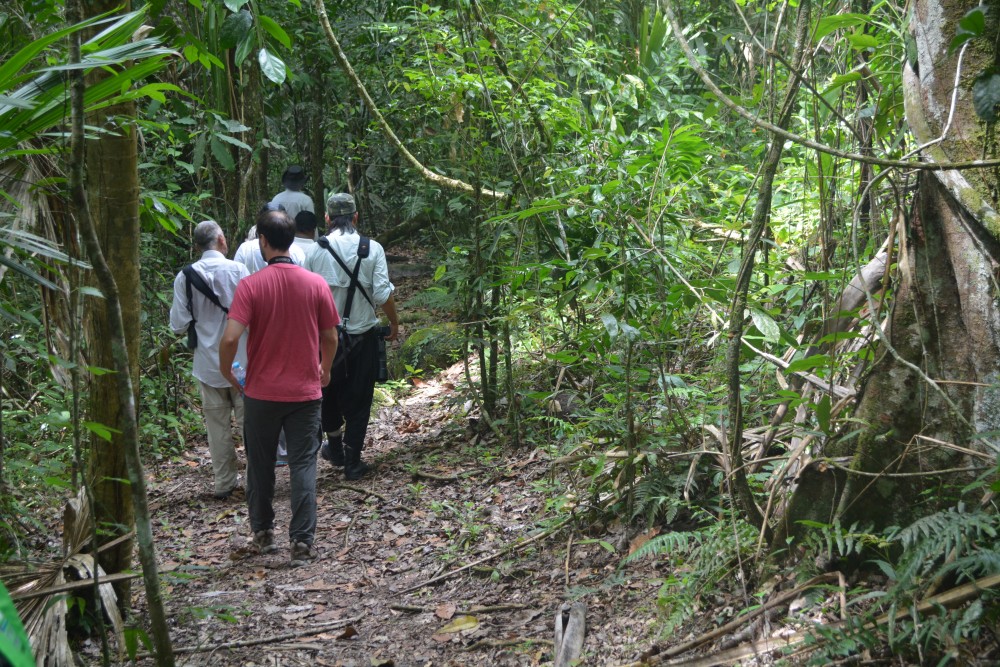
218	406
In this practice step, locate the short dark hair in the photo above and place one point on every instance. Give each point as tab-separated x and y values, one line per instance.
345	223
277	228
305	222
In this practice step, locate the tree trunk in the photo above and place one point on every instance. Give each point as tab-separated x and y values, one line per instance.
113	183
939	364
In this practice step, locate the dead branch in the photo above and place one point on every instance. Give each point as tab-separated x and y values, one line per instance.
949	600
487	609
202	648
496	554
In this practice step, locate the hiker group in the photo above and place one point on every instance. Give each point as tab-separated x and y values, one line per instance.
265	328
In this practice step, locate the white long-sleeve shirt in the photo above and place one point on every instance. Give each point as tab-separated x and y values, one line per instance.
221	275
373	277
248	254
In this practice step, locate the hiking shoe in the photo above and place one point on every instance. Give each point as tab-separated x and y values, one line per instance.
335	456
223	495
280	462
302	554
356	471
264	541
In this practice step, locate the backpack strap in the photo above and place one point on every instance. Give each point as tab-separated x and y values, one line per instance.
364	247
194	278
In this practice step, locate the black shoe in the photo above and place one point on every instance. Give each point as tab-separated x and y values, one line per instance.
333	451
356	471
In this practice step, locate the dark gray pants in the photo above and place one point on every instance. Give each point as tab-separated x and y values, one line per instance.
263	421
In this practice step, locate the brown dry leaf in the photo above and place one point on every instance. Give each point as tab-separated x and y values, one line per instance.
348	632
460	623
446	611
191	464
442	638
639	540
417	382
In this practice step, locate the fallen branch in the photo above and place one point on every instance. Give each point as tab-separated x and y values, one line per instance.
488	609
659	655
201	648
420	474
949	600
503	643
496	554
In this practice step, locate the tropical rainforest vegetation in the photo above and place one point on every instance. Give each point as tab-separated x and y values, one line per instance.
730	268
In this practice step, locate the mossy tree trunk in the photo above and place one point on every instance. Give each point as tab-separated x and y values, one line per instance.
937	374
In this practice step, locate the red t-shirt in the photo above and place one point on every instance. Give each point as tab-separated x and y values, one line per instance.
284	307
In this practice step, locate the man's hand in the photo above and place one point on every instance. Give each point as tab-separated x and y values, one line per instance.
393	331
324	376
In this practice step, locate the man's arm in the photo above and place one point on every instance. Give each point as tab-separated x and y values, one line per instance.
227	351
180	314
389	308
328	341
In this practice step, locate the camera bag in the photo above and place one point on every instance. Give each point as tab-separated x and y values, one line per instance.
192	277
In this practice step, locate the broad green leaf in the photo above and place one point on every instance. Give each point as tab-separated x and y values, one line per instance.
610	324
842	80
765	325
100	430
272	66
986	95
235	29
221	154
232	140
245	48
823	413
233	125
829	24
234	5
439	273
808	363
275	30
861	41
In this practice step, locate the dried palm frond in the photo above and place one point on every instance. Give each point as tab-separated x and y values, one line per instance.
39	589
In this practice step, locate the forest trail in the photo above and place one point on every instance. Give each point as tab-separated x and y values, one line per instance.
442	497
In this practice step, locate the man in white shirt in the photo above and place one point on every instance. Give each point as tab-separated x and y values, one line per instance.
347	400
248	254
293	199
219	400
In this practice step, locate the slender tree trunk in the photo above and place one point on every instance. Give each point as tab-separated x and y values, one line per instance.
739	485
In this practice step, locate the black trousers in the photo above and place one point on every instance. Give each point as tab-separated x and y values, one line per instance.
347	400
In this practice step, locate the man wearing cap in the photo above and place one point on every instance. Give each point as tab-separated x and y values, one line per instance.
347	401
293	199
193	308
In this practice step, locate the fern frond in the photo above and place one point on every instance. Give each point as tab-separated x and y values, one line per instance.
672	544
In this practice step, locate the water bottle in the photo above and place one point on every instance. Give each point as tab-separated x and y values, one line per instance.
240	373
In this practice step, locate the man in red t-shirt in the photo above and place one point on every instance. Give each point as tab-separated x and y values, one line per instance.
292	320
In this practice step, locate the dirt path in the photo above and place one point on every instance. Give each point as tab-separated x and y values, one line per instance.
440	499
443	497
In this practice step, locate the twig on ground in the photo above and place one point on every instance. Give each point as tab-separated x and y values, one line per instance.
569	555
501	643
496	554
201	648
476	609
358	489
423	474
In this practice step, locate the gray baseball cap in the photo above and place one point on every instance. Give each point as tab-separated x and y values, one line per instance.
340	203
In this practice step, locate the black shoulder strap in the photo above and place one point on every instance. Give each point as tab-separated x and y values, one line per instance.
364	247
194	278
